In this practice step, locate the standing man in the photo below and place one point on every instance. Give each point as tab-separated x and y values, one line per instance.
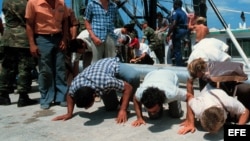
17	60
199	28
154	43
73	24
100	18
162	24
177	31
47	30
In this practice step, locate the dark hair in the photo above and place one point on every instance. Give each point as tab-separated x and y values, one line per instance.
84	96
75	44
178	3
159	14
129	27
152	96
126	40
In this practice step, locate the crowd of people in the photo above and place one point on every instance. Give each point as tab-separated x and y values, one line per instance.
53	40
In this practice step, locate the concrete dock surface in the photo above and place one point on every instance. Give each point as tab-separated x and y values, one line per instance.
31	123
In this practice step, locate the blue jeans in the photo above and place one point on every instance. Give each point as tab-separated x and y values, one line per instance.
177	37
52	78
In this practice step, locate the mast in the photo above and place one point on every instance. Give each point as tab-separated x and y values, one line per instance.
230	34
152	13
150	9
200	8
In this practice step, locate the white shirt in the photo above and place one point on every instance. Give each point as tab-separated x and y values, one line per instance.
165	80
143	48
84	35
210	49
3	18
206	100
118	33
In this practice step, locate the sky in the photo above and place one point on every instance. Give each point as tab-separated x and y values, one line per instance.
229	9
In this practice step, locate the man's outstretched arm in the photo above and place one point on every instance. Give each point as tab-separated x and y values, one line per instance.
122	115
138	109
188	125
70	107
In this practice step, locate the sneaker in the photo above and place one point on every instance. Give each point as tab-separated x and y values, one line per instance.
25	102
45	106
4	100
62	104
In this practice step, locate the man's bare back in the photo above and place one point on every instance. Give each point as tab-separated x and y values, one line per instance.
201	31
199	27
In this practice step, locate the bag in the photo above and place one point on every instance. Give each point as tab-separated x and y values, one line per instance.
225	71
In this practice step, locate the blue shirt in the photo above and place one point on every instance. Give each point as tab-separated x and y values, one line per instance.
102	21
180	17
101	76
181	24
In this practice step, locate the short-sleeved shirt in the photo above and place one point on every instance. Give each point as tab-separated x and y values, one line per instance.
100	76
181	19
181	23
164	80
210	49
206	100
149	34
84	35
162	23
153	41
119	34
46	20
72	18
102	21
143	49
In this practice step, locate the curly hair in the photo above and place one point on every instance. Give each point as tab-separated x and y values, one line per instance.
152	96
84	96
212	118
197	65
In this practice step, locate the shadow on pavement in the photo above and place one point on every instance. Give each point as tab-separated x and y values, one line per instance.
94	117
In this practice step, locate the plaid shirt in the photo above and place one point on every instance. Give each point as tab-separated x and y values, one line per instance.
102	21
100	76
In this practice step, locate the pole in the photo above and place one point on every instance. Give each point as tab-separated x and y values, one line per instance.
229	32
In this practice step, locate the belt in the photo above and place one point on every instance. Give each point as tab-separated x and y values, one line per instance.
50	35
181	27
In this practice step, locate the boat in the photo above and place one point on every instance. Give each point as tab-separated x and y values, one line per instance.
237	39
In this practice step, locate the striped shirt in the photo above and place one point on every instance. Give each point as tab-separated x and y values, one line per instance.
102	21
101	76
